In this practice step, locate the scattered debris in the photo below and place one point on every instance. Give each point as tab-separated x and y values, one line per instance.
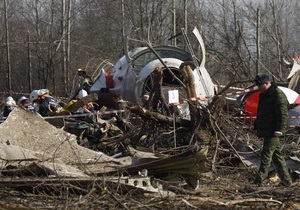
134	154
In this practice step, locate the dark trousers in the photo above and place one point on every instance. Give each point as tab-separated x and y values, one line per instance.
271	152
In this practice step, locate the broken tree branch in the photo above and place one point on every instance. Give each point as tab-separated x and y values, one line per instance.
157	116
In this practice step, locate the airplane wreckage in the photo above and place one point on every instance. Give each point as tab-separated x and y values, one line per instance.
133	144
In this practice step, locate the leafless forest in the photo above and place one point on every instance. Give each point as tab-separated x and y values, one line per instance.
45	42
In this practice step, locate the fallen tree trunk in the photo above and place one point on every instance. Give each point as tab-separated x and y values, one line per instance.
144	113
158	100
198	114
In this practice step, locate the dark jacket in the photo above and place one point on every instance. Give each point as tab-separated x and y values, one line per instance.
29	107
47	104
272	113
7	110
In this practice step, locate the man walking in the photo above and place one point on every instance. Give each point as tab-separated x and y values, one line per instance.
270	124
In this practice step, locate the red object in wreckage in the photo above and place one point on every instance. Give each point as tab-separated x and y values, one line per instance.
109	80
251	103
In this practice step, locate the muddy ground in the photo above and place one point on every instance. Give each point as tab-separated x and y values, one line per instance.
229	189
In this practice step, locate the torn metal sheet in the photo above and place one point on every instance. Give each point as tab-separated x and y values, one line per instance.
16	153
142	182
186	165
191	161
15	160
35	134
84	185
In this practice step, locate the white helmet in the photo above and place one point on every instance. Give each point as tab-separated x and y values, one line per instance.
82	93
33	95
41	92
9	101
146	97
21	99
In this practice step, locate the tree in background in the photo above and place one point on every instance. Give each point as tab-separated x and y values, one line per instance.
50	40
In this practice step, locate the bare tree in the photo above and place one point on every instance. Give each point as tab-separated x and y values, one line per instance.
7	46
258	41
66	34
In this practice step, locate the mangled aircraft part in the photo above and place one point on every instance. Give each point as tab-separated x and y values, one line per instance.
137	183
186	165
146	146
131	75
55	153
35	134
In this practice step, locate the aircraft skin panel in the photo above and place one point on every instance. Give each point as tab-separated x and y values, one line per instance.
296	68
129	83
133	53
198	86
123	77
202	70
208	81
201	42
100	83
119	72
127	86
148	69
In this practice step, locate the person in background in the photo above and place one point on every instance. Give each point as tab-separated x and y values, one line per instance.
24	103
89	107
145	100
46	104
9	105
270	124
86	108
120	103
